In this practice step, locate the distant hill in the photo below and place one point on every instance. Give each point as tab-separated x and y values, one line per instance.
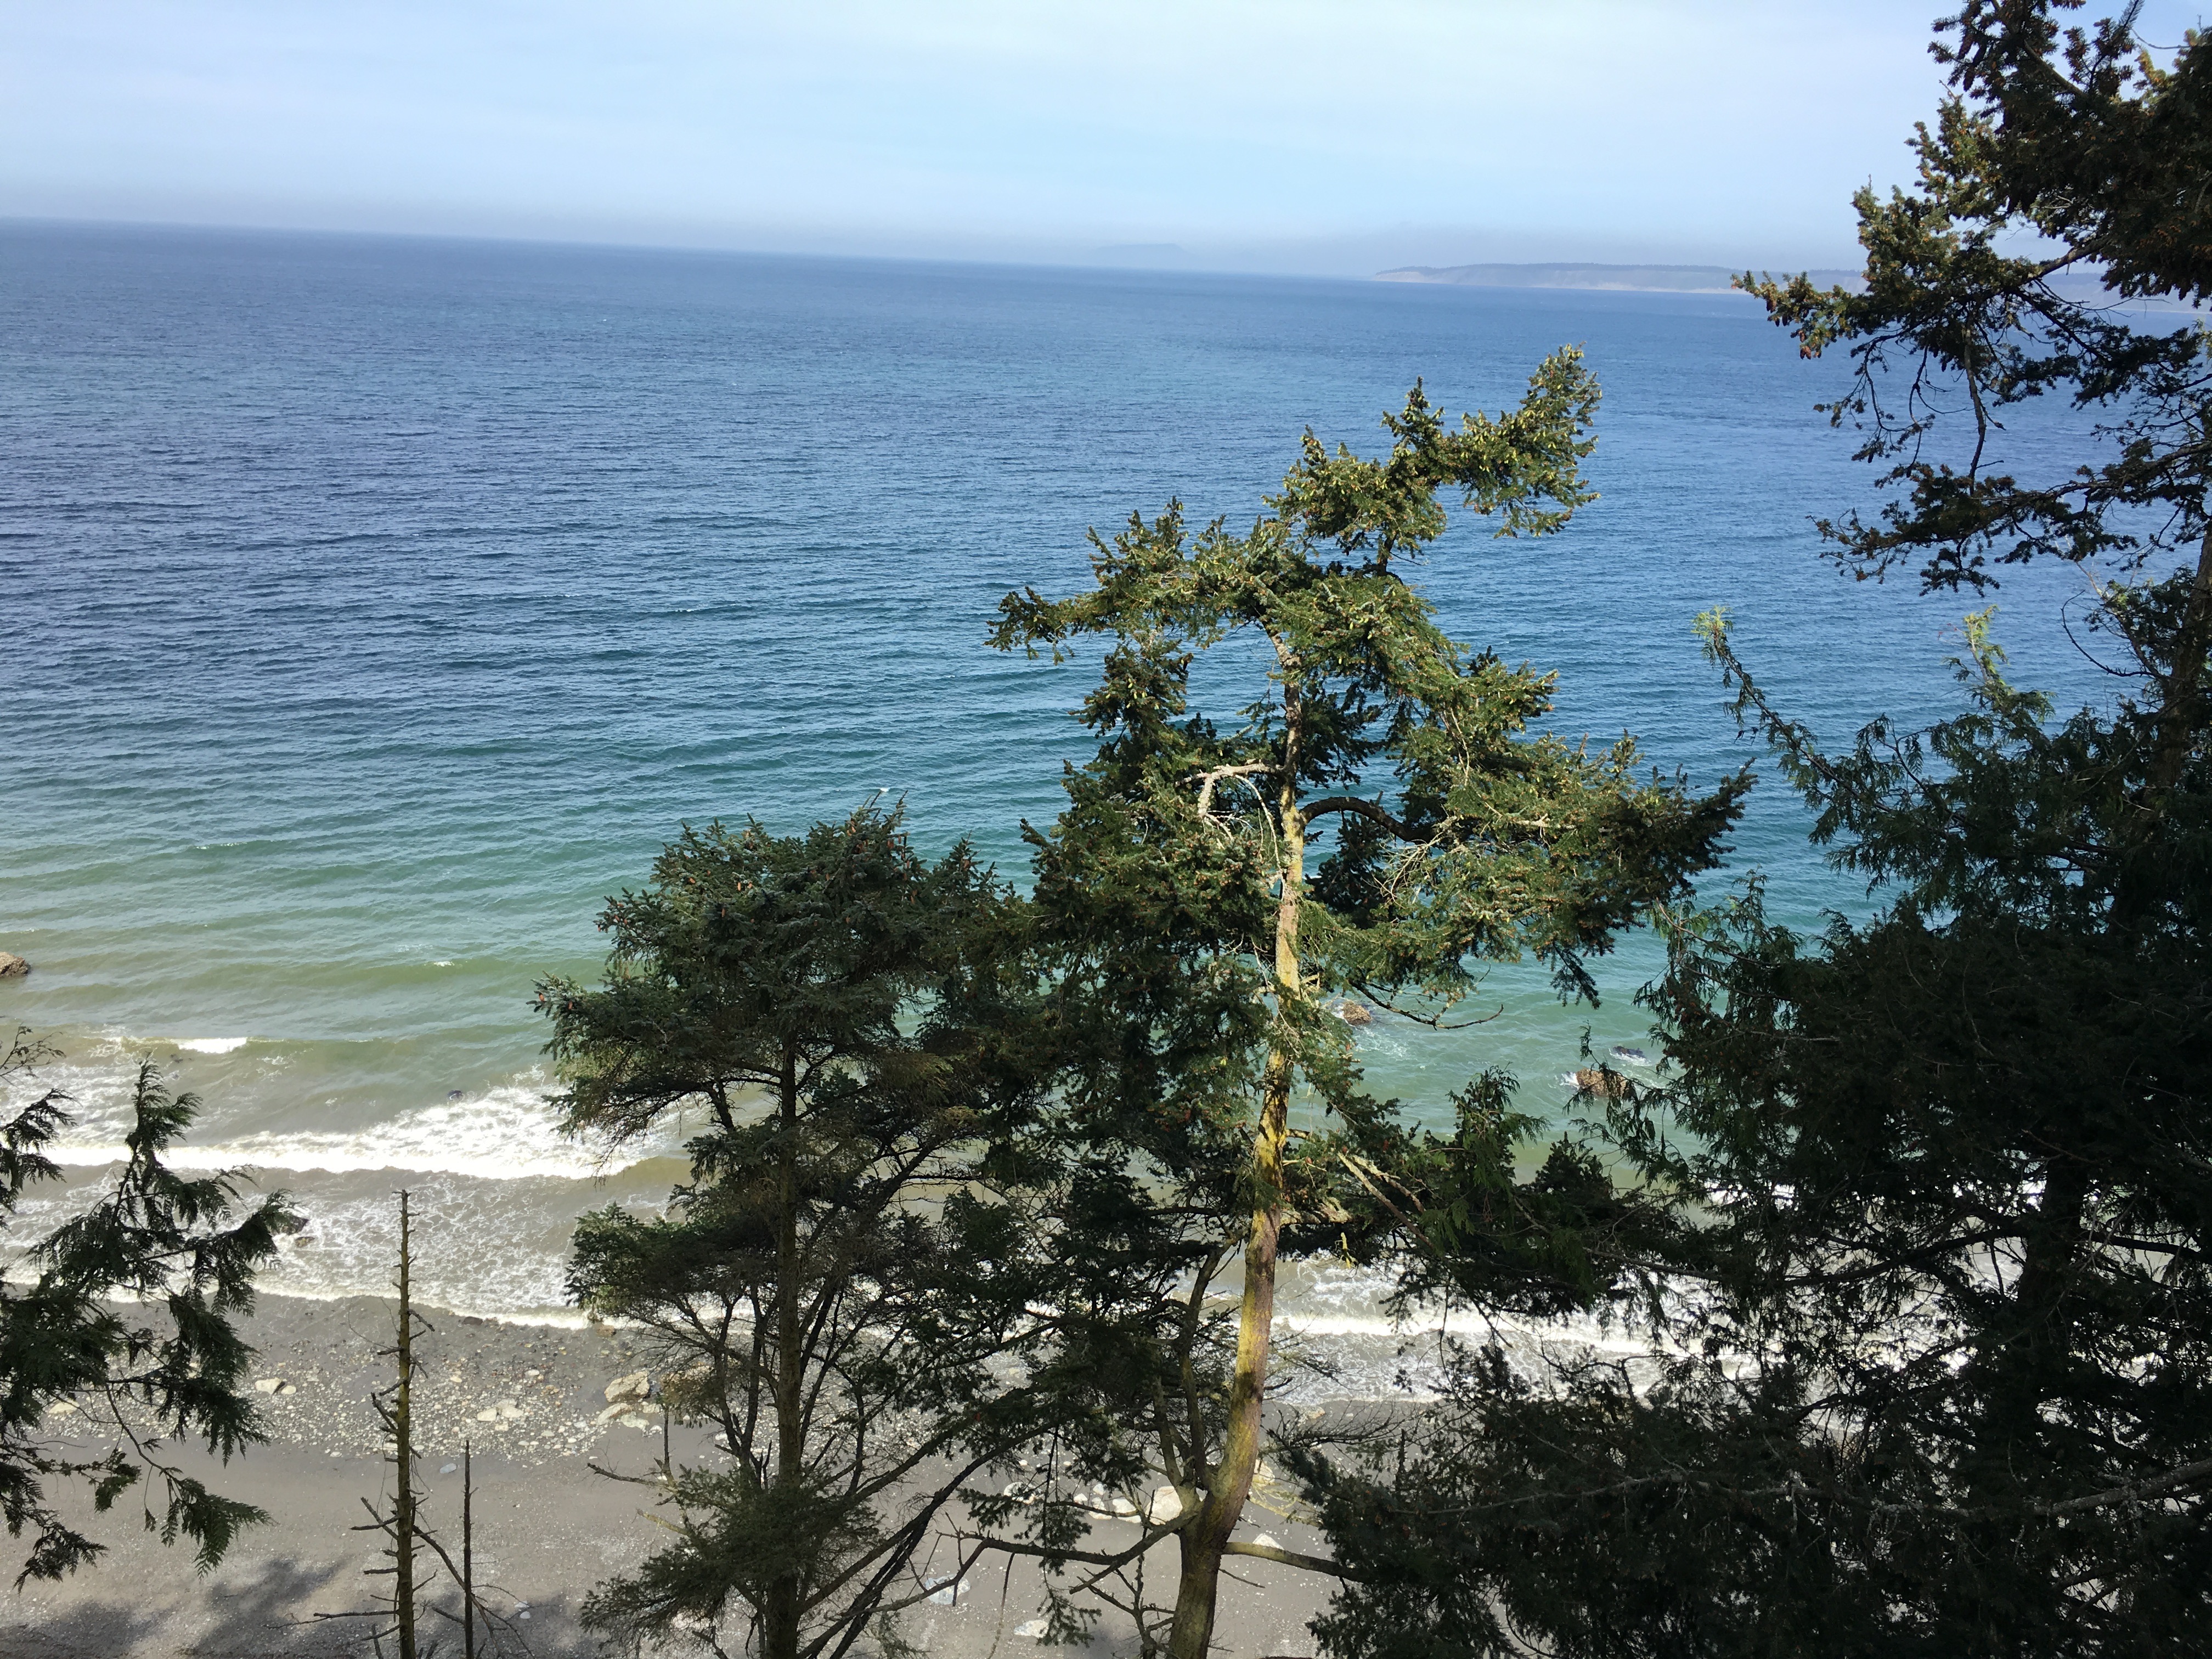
1647	279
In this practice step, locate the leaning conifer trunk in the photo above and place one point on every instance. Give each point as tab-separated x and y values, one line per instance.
1192	946
1207	1538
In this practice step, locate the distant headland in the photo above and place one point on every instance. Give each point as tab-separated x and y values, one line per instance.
1649	279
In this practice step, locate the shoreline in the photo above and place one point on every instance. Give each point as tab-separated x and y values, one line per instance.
548	1525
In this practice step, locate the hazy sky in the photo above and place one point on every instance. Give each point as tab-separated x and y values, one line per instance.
1278	134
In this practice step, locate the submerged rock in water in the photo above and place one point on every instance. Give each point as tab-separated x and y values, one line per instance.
1354	1014
13	967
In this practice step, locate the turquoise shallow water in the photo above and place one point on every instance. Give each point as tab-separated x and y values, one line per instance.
374	606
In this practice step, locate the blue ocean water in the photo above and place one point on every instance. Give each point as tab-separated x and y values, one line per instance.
375	606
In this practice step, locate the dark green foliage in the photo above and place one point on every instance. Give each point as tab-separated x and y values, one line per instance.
1939	1378
1480	1227
1604	1523
2059	155
1944	1374
1212	1097
182	1245
845	1282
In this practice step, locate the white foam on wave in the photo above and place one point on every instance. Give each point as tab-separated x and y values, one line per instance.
212	1045
508	1132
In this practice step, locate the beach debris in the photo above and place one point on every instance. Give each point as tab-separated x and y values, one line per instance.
635	1386
1316	1415
13	966
630	1410
1022	1492
61	1408
273	1385
447	1468
949	1594
1605	1084
1166	1504
1034	1629
1266	1542
1354	1013
634	1421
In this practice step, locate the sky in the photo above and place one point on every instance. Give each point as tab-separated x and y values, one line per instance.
1323	136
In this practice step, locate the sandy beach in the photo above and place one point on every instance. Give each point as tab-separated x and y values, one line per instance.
530	1398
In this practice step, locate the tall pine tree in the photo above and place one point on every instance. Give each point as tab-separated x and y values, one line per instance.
1370	809
1944	1383
844	1286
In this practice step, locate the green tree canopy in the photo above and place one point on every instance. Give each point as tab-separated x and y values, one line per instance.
843	1286
1940	1376
70	1336
1370	808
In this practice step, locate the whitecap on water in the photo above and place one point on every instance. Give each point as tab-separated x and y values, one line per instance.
506	1132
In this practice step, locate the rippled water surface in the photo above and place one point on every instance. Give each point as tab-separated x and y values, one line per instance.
374	607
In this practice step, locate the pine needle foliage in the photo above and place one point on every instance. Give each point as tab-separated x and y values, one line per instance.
1373	810
843	1286
74	1335
1940	1378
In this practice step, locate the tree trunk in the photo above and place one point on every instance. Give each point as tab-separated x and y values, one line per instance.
1231	1484
468	1552
402	1435
779	1616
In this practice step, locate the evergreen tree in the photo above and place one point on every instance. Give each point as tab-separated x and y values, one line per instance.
1368	810
843	1286
71	1337
1944	1380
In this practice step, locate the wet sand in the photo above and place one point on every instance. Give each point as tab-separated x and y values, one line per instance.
548	1527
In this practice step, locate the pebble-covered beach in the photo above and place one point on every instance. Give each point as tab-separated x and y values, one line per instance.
533	1401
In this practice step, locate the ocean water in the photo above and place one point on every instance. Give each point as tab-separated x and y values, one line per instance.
371	608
